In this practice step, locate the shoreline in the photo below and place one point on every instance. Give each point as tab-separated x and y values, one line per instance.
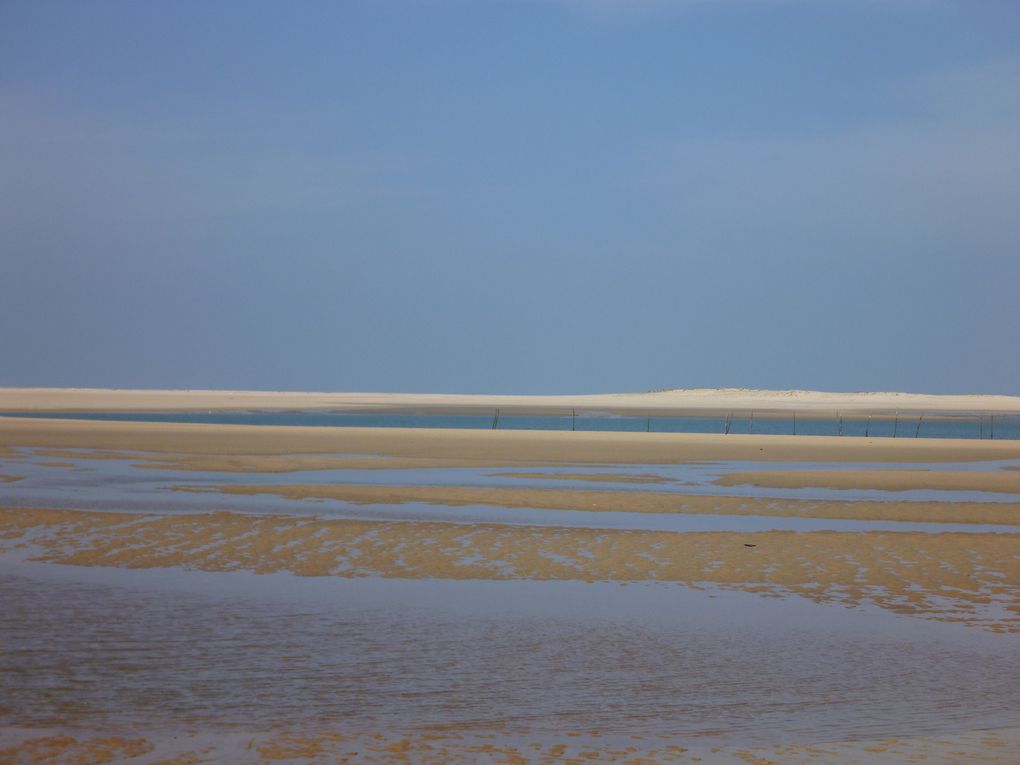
692	401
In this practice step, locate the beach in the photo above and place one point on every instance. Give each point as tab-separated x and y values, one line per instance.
366	594
681	400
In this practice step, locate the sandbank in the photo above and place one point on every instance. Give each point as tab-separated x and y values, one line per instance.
249	445
966	578
886	480
636	502
678	401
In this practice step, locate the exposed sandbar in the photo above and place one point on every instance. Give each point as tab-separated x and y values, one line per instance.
637	502
969	578
886	480
640	478
495	448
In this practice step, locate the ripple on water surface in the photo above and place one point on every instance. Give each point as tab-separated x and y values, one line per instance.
547	656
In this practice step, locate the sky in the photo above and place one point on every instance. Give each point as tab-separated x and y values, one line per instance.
500	196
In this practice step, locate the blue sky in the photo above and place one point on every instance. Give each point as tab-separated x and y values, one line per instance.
496	196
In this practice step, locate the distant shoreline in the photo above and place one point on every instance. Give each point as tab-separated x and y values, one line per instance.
676	402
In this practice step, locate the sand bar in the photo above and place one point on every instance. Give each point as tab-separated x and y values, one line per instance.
885	480
192	444
637	502
679	401
966	578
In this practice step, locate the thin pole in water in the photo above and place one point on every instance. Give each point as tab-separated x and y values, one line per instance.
648	423
896	425
919	421
991	426
573	419
794	423
729	419
495	420
750	423
867	428
840	416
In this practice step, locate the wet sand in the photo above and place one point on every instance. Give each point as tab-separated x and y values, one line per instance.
968	578
441	747
943	607
255	448
641	478
641	671
634	502
886	480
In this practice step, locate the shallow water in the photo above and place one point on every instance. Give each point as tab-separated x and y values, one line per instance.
167	647
547	656
132	486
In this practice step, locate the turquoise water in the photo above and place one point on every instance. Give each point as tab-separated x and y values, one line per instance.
998	427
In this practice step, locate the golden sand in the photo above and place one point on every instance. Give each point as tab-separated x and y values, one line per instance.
886	480
969	578
198	443
593	500
69	750
640	478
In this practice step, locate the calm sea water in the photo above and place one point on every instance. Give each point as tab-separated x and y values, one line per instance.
963	426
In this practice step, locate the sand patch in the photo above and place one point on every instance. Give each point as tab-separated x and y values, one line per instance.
636	502
641	478
968	578
68	750
194	444
469	745
885	480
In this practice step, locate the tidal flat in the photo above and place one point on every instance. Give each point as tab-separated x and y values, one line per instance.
184	594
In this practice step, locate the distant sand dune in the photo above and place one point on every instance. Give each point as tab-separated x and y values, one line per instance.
676	401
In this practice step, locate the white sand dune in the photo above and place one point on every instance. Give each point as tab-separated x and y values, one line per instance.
679	400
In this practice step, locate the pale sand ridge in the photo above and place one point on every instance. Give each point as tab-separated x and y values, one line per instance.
691	400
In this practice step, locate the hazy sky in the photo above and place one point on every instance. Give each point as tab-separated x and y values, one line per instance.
498	196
